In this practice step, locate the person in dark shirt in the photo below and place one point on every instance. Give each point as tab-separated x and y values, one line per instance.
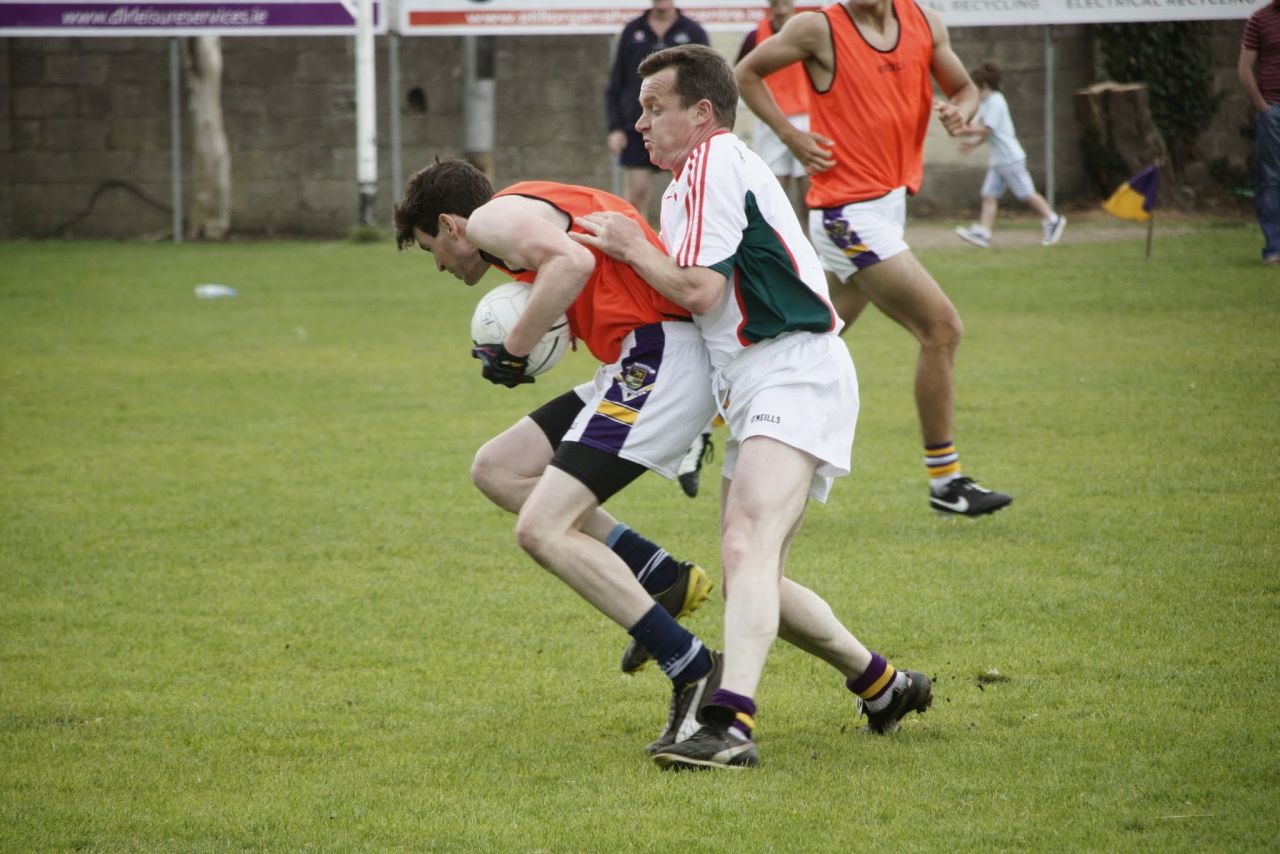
1260	72
661	27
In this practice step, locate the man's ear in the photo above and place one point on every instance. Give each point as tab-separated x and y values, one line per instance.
448	225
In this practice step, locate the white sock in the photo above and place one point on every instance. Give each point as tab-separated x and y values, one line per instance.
881	702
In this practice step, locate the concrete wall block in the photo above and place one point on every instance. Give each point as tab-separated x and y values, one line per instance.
245	62
139	133
119	213
94	102
64	45
327	195
125	45
83	69
247	103
264	166
26	68
339	164
72	135
131	100
255	135
326	60
115	213
307	164
147	65
40	102
36	211
248	196
129	166
24	135
53	167
279	207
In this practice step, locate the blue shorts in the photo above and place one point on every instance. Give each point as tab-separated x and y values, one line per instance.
635	155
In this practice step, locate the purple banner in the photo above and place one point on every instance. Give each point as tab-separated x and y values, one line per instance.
161	18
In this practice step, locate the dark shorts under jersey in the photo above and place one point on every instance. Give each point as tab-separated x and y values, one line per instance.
635	155
603	473
640	412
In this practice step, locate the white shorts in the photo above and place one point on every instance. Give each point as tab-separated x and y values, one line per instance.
651	404
860	234
1013	177
800	389
774	152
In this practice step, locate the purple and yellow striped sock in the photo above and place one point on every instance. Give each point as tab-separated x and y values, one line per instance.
875	683
943	464
743	709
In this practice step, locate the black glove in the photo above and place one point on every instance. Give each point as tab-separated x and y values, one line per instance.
500	367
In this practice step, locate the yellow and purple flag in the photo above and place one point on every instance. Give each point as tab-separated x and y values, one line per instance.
1136	197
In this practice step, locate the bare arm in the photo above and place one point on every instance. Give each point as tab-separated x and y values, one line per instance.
974	135
698	289
802	39
962	96
1245	68
529	234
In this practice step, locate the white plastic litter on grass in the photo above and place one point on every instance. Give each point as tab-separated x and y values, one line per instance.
211	291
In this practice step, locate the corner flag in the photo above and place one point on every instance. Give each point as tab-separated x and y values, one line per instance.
1136	197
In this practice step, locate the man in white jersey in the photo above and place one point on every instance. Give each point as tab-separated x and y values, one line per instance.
738	259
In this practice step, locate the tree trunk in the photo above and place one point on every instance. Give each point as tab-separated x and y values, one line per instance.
211	170
1118	137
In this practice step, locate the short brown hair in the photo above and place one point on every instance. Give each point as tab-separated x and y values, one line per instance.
987	74
700	73
444	187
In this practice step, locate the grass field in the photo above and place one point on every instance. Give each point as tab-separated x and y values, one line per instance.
251	600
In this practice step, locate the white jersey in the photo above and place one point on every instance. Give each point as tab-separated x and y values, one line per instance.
1003	146
726	211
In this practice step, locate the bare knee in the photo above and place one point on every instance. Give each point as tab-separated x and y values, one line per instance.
489	473
943	332
734	553
483	470
531	536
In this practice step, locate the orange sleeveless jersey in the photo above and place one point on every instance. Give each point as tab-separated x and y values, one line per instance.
790	85
615	300
877	110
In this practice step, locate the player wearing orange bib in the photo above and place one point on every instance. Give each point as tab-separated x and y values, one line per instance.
790	88
643	408
870	64
614	300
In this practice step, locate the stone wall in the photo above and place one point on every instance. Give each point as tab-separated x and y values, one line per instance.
85	124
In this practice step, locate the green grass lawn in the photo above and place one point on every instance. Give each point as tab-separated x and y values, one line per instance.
252	601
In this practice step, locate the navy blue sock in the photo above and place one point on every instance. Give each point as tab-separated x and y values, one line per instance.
649	563
680	655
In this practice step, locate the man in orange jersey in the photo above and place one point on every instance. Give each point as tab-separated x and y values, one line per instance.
870	63
790	88
555	467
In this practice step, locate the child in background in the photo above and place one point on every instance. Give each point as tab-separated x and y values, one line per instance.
1006	163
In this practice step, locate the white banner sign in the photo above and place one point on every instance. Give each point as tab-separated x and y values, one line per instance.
582	17
996	13
184	17
560	17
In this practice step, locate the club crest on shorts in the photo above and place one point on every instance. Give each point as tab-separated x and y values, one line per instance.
637	379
